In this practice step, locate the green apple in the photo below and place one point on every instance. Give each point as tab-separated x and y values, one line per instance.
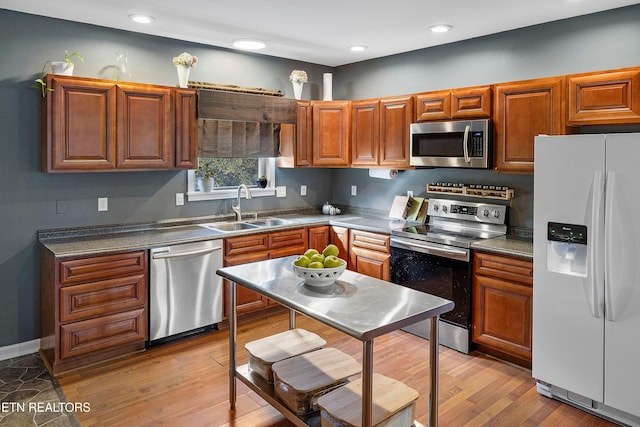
332	261
302	261
311	252
317	258
331	250
316	264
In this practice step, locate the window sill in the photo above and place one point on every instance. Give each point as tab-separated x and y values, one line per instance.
229	194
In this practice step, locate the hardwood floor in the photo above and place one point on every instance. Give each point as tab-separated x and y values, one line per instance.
185	383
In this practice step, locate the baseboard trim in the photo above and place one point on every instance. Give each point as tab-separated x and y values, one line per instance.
20	349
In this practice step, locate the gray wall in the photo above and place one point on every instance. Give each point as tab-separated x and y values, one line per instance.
27	196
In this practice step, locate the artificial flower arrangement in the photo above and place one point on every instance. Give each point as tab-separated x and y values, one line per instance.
185	58
299	76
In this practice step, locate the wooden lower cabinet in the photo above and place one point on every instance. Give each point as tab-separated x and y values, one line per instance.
369	253
92	308
259	247
503	306
319	237
339	236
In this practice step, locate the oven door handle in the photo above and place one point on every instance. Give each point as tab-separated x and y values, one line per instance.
459	254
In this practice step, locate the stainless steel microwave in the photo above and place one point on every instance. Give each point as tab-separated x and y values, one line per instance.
454	144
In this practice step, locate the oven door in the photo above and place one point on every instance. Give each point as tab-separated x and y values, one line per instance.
440	270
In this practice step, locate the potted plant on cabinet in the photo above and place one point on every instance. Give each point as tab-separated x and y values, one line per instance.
262	181
207	172
64	68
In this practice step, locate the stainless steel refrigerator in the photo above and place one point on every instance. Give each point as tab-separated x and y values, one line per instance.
586	280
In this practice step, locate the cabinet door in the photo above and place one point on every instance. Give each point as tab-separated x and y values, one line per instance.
503	306
246	299
522	111
396	115
365	137
331	133
433	106
186	143
339	236
288	242
471	103
304	136
319	237
144	127
604	98
79	125
369	253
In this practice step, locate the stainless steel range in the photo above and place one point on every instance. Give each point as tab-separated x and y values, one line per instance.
435	258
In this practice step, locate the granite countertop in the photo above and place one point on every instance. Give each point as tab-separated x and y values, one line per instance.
92	240
508	245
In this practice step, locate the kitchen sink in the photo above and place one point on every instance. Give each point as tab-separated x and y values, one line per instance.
269	222
231	226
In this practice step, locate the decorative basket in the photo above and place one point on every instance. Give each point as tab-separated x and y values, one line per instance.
320	276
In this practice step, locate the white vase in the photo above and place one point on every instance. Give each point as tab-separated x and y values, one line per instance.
207	184
62	68
297	89
183	75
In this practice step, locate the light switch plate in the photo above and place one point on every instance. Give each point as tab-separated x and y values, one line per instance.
179	199
61	206
281	191
354	190
409	193
303	190
103	204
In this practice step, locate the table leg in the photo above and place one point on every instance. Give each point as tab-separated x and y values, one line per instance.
433	372
367	383
292	319
232	344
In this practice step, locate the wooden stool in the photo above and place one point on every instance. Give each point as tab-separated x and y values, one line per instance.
393	404
300	380
266	351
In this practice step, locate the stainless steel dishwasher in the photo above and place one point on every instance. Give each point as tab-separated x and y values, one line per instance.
185	293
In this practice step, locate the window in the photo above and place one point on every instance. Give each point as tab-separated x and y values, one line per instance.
227	174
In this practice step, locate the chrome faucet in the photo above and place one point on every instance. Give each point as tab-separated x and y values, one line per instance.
236	207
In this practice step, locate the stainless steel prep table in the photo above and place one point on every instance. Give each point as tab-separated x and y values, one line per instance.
358	305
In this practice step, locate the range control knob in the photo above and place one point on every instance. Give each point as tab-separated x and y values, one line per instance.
445	209
495	213
485	212
435	207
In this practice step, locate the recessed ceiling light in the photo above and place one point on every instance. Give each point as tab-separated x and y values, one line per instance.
249	44
358	48
440	28
141	19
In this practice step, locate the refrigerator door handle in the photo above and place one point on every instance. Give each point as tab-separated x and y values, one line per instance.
609	308
595	255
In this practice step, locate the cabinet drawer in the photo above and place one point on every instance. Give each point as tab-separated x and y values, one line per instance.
504	267
103	333
99	298
246	244
373	241
288	238
102	267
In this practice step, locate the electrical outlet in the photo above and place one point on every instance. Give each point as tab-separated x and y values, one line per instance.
281	191
303	190
354	190
409	193
103	204
61	206
179	199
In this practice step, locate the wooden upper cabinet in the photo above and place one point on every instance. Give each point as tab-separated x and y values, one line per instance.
523	110
331	133
471	103
186	130
296	140
463	103
611	97
365	136
144	127
78	125
100	125
433	105
396	115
